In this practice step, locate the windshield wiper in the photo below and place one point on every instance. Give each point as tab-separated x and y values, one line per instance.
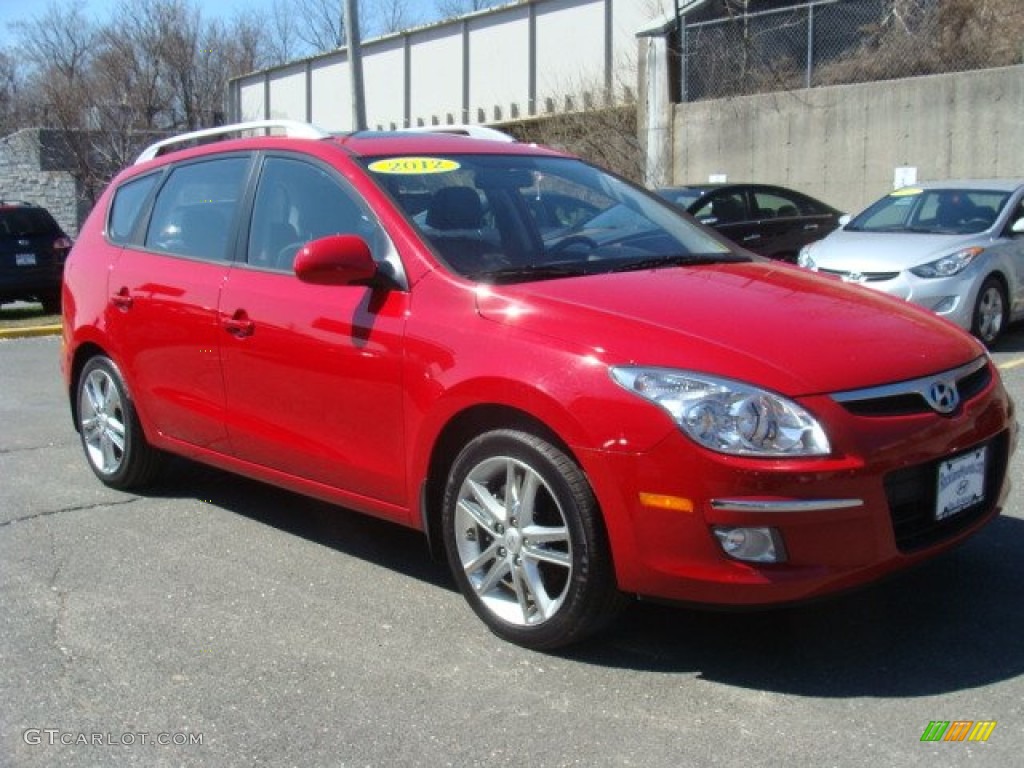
528	272
680	259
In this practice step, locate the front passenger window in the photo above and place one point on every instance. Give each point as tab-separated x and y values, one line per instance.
296	202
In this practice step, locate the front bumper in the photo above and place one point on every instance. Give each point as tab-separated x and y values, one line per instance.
846	520
950	297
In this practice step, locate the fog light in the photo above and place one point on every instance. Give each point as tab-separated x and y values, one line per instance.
755	545
945	305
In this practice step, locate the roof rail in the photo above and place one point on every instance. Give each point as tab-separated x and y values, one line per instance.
291	128
473	131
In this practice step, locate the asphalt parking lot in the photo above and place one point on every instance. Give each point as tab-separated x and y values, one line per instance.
219	622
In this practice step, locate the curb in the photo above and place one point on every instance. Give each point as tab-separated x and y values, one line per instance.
31	330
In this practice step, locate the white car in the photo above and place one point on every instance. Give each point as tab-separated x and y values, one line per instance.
954	247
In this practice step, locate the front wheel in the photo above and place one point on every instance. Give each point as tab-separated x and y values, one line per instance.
526	543
112	437
989	317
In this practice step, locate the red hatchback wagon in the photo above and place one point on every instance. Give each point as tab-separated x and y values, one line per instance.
576	393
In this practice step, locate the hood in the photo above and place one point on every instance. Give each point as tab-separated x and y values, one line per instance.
887	251
769	324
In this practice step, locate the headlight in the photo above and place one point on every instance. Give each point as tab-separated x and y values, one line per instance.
950	265
728	416
805	259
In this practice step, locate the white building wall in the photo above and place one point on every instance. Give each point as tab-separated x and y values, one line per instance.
570	50
252	98
570	56
332	94
499	72
628	18
384	66
436	74
288	92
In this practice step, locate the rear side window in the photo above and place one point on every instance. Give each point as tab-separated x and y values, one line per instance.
128	202
21	222
195	209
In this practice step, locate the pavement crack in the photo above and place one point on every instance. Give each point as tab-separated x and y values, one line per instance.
62	510
34	448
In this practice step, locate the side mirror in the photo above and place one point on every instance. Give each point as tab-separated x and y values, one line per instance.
1018	227
336	260
845	219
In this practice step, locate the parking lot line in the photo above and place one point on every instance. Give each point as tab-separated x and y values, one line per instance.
1011	364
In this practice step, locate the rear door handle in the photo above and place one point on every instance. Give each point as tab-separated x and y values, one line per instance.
748	238
122	299
810	226
239	324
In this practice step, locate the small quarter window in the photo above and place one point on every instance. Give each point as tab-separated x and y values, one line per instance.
128	203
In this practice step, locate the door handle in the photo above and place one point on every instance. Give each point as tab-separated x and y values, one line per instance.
122	299
239	324
810	226
748	238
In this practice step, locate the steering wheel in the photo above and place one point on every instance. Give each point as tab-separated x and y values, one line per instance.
573	240
285	257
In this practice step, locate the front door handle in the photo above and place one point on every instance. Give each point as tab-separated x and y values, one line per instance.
239	324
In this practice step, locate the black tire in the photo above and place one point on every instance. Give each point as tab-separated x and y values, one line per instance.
545	594
988	320
112	437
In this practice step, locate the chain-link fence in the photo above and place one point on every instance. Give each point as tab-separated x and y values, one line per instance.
827	42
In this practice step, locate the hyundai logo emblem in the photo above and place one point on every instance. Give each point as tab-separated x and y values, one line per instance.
942	396
854	277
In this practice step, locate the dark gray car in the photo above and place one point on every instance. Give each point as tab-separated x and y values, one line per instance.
770	220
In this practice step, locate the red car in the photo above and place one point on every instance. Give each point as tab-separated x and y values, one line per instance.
610	402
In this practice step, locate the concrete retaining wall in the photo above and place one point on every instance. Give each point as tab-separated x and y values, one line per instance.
844	143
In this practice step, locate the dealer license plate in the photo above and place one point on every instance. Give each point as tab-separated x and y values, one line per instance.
961	483
25	259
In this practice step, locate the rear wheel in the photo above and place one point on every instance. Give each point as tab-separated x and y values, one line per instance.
526	543
989	317
112	437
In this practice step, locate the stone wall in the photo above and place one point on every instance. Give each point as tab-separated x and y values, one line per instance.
32	169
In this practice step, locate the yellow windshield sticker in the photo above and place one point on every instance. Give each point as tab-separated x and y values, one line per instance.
414	165
906	191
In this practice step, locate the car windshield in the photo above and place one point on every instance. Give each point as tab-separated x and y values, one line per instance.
932	211
510	218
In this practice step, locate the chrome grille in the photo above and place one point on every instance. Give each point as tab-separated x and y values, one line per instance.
918	395
860	277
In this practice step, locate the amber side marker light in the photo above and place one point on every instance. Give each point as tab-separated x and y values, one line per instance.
671	503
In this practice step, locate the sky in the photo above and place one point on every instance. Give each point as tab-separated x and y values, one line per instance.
102	10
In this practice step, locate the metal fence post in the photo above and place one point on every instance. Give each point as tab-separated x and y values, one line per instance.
810	46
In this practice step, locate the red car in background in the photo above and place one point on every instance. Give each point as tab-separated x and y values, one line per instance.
613	403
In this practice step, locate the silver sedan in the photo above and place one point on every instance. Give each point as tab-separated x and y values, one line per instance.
954	247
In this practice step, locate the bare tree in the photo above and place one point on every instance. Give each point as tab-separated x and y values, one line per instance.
308	26
15	109
450	9
388	16
108	88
